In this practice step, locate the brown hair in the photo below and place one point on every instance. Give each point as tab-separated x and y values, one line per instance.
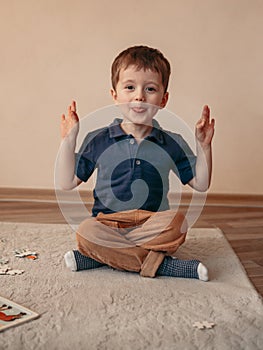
143	57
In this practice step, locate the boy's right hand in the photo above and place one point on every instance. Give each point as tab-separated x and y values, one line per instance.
70	124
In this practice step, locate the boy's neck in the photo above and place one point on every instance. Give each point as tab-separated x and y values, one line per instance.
138	131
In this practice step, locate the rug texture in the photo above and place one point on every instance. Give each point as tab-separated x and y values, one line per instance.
106	309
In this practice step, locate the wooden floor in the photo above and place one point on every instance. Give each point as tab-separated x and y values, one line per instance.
239	217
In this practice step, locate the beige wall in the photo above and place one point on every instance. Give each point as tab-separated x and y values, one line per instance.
56	50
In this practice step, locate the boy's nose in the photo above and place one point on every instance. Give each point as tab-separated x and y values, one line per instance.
140	96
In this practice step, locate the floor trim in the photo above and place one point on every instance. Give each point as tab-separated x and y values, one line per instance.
8	194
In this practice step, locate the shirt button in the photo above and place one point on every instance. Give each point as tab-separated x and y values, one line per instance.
138	162
131	141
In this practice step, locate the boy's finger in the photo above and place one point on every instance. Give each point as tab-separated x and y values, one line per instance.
206	112
206	108
205	115
201	122
69	111
73	106
213	122
74	116
63	117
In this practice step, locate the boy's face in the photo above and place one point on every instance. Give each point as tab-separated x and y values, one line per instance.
140	93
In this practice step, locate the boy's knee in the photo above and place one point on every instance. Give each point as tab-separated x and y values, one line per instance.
180	222
87	223
184	226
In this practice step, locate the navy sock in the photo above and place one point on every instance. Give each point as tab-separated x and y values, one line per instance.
84	262
174	267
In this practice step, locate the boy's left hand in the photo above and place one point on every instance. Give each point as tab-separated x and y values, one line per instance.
204	129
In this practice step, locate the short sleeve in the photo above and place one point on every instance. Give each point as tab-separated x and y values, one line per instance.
83	167
84	159
185	161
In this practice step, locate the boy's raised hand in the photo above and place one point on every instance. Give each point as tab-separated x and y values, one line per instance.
204	129
70	124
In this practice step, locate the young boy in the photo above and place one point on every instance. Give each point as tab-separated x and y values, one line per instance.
132	227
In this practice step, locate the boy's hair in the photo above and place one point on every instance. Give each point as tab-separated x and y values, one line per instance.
142	57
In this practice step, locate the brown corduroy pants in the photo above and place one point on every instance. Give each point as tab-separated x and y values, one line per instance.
133	240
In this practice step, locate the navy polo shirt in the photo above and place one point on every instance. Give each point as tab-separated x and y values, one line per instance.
132	175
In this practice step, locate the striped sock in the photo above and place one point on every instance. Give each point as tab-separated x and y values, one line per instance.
174	267
75	261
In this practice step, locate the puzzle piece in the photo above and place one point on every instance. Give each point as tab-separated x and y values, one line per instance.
25	253
3	261
3	271
15	272
11	272
204	325
208	325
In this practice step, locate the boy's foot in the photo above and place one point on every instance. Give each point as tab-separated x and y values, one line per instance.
174	267
202	272
75	261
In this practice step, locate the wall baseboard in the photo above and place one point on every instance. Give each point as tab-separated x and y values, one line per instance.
31	194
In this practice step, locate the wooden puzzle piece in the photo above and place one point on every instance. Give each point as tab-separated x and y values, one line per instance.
3	271
25	253
204	325
15	272
3	261
11	272
208	325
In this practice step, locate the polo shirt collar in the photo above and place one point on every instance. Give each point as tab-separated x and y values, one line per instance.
116	131
156	132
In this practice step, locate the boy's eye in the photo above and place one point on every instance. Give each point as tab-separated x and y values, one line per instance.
151	89
129	87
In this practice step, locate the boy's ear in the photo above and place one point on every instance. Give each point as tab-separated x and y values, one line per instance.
165	99
113	94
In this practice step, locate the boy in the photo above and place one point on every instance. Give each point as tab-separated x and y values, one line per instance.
132	227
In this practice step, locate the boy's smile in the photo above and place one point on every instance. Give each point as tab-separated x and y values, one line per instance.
140	93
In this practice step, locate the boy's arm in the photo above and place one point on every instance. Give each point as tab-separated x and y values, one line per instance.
204	134
67	180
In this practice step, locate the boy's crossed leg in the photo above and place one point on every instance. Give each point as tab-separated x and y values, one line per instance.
110	239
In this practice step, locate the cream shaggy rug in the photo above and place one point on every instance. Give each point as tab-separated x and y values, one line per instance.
106	309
